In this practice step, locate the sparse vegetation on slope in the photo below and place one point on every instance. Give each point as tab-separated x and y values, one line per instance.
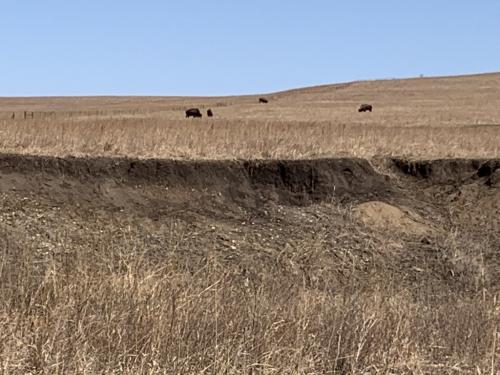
140	274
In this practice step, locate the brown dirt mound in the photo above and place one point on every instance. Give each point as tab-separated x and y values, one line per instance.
382	216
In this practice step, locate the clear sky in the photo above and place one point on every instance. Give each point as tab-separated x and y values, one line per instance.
202	47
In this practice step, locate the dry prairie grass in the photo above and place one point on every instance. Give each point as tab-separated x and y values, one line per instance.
114	310
246	139
425	118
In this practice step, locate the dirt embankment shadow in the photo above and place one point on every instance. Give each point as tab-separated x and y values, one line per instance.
295	182
451	171
248	183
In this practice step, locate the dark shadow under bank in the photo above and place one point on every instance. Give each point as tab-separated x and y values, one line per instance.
292	181
450	171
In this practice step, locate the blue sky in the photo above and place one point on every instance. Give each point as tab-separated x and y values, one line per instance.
201	47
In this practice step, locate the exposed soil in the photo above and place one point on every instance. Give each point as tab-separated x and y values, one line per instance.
386	217
293	181
450	171
427	222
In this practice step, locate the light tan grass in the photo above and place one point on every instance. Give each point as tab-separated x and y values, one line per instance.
113	311
424	118
248	139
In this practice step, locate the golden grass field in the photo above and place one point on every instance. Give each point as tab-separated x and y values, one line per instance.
420	118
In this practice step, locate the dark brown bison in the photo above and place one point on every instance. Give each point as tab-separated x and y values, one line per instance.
193	112
263	100
210	113
365	108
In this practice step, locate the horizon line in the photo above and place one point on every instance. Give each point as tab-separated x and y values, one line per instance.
252	94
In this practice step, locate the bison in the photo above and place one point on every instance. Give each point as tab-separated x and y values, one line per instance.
210	113
193	112
365	108
263	100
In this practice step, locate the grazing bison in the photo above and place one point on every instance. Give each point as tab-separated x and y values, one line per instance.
365	108
263	100
193	112
210	113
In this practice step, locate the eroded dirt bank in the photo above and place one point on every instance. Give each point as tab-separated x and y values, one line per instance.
292	181
110	251
451	171
251	211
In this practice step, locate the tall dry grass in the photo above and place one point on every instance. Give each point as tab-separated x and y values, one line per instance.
113	310
425	118
223	139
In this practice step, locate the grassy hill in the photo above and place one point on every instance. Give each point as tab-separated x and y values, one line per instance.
420	117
